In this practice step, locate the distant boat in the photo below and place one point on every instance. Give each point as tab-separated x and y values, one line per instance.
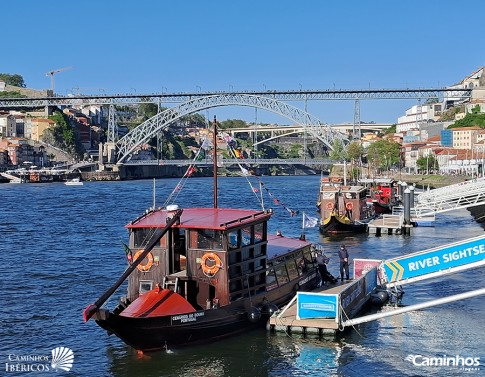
343	209
74	182
382	194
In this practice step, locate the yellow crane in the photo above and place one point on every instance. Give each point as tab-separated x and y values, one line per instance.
52	73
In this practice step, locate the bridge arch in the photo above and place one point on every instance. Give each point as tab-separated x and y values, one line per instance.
145	131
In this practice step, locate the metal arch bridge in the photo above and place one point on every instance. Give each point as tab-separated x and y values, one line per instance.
162	120
283	95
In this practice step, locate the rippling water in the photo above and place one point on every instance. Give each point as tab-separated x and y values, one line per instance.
61	248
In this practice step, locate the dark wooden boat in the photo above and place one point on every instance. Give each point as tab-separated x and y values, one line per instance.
214	273
337	224
200	274
343	209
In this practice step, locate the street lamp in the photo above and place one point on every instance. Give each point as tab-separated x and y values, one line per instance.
198	88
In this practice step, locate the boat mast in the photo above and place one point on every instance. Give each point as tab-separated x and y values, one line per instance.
214	157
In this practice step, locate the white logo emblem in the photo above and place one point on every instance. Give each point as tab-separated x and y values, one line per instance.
62	358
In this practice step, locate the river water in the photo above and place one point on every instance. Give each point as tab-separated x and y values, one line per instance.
61	248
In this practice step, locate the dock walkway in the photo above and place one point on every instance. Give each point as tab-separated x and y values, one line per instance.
323	310
288	321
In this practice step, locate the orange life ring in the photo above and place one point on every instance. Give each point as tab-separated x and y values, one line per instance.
329	206
144	267
349	206
216	264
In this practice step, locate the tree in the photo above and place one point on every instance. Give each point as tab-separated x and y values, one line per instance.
383	154
338	152
427	163
14	80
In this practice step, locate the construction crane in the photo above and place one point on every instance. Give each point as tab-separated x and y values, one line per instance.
53	72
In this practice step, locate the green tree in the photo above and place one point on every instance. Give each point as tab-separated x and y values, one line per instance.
383	154
11	94
470	119
427	163
14	80
338	152
63	136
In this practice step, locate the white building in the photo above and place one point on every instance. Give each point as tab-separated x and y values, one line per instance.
7	125
417	115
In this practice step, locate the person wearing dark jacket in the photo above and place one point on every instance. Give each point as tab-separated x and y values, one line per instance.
344	262
322	261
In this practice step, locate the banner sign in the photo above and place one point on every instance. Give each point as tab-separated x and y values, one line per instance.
362	266
434	260
316	305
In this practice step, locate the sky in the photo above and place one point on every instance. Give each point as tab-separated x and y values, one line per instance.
189	46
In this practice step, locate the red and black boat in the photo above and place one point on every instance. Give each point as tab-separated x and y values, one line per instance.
343	208
201	274
382	193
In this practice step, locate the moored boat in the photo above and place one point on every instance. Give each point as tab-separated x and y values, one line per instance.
213	273
382	193
343	209
200	274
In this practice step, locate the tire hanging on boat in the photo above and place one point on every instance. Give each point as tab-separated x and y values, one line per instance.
216	264
349	206
144	267
329	206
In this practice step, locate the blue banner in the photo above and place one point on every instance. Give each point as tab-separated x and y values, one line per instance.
316	305
435	260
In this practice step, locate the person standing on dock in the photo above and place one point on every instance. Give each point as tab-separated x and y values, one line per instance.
344	262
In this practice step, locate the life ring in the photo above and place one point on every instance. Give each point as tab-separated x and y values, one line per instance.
349	206
329	206
216	264
144	267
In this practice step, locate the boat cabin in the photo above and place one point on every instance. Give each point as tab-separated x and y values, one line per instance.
349	201
214	256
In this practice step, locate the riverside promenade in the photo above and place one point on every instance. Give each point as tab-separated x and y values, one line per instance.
431	180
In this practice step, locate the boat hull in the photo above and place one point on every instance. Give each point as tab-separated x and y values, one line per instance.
172	331
337	225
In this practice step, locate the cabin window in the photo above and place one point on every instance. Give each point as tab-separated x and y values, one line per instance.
141	236
207	239
246	236
271	282
291	268
300	262
281	274
259	232
233	239
145	286
309	260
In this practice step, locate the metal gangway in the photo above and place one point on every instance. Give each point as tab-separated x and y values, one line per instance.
461	195
428	264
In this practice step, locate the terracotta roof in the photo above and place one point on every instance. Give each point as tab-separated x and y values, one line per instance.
201	218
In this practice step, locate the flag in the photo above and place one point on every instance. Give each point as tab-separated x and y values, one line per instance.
206	144
309	222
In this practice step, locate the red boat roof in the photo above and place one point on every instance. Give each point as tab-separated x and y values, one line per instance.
278	245
201	218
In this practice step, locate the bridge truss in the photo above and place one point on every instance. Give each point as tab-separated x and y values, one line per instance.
148	129
282	95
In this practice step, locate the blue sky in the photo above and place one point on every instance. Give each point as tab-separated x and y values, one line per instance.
181	46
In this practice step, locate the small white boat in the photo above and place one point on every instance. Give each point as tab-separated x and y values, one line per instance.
74	182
